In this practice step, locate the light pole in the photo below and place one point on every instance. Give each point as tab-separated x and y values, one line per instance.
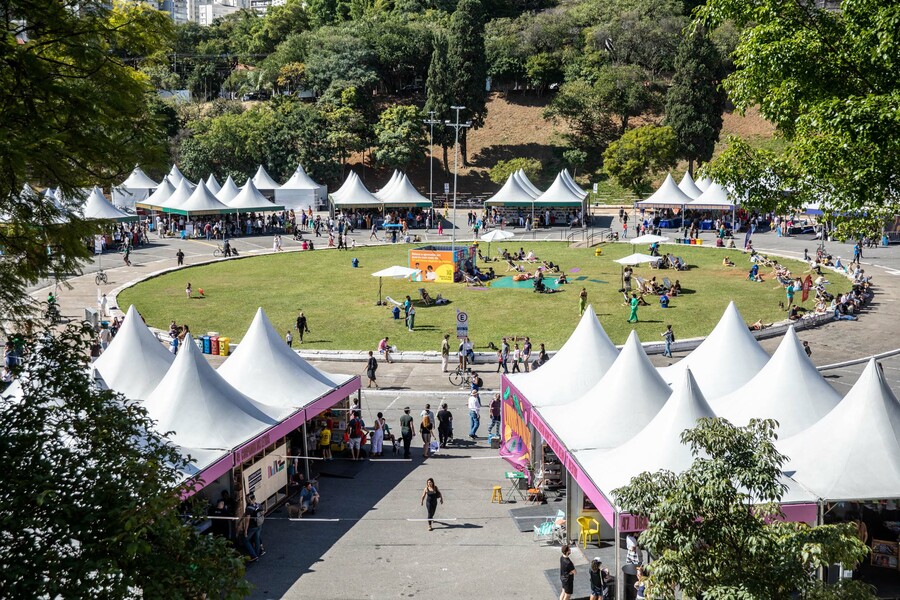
457	126
431	122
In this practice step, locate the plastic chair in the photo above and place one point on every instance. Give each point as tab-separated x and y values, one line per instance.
590	527
497	495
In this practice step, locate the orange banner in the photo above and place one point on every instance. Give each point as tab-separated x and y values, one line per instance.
434	265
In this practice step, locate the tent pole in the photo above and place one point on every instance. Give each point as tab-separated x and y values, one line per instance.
620	580
305	453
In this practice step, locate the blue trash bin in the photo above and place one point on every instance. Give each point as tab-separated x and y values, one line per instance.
355	263
396	312
206	344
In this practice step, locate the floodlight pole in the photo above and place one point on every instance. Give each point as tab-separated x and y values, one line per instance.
431	122
456	126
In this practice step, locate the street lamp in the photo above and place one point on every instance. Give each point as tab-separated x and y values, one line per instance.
457	126
431	122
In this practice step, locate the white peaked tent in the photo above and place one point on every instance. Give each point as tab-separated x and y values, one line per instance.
175	176
526	183
395	178
715	196
264	182
203	409
788	389
853	453
162	193
657	446
212	184
264	368
703	183
354	193
250	199
559	194
511	194
229	190
616	408
727	359
688	186
202	458
570	181
668	195
134	189
135	362
97	207
178	197
300	191
404	193
582	361
200	202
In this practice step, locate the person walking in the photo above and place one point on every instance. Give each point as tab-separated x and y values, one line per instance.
302	325
104	306
289	339
566	573
256	515
633	318
599	580
582	301
378	435
495	415
188	290
406	431
127	254
669	336
807	349
445	352
504	355
431	495
474	417
526	354
426	428
356	427
371	367
517	358
411	318
180	257
445	425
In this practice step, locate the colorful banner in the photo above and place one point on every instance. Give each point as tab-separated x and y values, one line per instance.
515	439
435	266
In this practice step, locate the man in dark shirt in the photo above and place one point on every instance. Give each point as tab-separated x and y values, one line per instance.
407	431
445	425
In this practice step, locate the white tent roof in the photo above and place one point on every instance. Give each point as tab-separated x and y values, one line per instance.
616	408
135	362
668	194
688	186
250	198
703	183
576	368
263	181
229	191
559	194
264	368
175	175
203	409
200	201
853	453
300	181
727	359
715	196
181	194
512	193
526	183
138	180
354	193
202	457
395	178
647	238
98	207
403	193
657	446
788	389
163	192
212	184
570	181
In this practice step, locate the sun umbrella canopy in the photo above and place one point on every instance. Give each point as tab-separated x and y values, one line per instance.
396	272
497	235
649	238
636	259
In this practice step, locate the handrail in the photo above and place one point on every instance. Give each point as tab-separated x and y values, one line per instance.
859	361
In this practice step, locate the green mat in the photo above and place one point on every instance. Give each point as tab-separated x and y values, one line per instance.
507	282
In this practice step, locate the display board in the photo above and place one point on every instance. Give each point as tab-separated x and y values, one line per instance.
515	444
435	266
884	554
267	475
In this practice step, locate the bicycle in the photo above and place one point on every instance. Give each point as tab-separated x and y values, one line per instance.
219	252
460	376
101	277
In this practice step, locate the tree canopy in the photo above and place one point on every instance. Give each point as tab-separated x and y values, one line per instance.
639	153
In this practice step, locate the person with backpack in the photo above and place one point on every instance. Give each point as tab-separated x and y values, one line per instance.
426	428
256	515
371	367
356	427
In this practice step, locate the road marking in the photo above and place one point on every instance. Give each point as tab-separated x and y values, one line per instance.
484	457
388	407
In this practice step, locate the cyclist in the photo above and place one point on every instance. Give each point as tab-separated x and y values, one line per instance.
226	247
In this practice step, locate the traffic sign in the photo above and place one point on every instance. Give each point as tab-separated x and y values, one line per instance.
446	188
462	324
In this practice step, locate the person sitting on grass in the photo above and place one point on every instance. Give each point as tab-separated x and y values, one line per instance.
727	262
664	301
754	275
562	280
530	257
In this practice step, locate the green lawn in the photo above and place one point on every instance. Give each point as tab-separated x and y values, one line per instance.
340	300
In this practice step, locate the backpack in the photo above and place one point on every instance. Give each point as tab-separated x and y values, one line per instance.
426	422
357	428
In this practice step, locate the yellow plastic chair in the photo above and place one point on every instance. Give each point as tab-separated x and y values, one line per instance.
590	527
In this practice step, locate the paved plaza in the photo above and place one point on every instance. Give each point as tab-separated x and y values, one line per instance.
369	540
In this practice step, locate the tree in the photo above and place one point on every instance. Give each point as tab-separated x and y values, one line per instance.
468	65
830	82
626	91
400	137
543	69
638	154
695	101
439	93
714	529
590	126
92	504
501	171
576	159
61	125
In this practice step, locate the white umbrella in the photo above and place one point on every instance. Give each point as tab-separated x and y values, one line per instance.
636	259
395	272
496	235
649	238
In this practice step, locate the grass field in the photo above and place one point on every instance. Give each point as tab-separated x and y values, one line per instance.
340	300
